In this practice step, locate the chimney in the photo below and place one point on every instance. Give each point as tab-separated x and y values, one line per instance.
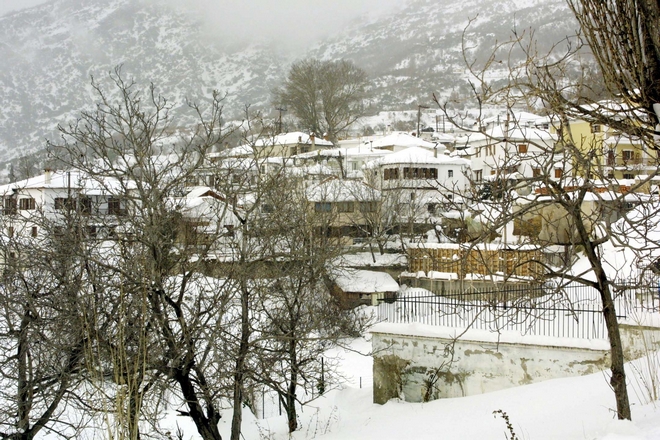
326	136
48	174
312	137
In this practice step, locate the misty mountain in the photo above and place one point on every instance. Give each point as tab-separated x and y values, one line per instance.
50	52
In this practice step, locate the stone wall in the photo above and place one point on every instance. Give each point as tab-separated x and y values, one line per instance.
422	364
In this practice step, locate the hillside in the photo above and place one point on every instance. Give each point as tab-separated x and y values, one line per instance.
51	51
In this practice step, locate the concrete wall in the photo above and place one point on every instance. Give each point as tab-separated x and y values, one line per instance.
417	367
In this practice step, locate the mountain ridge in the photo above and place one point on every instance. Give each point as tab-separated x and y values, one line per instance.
53	49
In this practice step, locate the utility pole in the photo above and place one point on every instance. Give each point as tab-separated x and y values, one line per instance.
280	109
419	115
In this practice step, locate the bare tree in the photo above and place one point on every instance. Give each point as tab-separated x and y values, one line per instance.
167	319
327	96
572	198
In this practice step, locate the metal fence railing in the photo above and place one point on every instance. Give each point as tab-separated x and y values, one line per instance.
549	309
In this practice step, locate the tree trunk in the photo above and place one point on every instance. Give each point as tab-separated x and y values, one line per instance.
291	388
618	379
239	372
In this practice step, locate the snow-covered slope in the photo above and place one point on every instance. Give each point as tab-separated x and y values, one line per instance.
49	52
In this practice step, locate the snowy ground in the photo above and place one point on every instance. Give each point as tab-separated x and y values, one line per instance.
571	408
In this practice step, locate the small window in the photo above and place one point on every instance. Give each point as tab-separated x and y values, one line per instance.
559	172
34	231
434	173
596	128
345	207
92	231
368	206
450	173
536	172
114	206
65	203
627	155
9	206
85	205
26	204
10	231
522	148
322	207
628	176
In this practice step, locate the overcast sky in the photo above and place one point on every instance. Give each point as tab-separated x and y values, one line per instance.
296	21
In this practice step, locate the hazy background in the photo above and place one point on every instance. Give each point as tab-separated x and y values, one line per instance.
14	5
293	23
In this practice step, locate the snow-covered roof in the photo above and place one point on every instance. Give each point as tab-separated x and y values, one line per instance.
74	179
366	281
416	155
519	118
339	190
399	139
513	134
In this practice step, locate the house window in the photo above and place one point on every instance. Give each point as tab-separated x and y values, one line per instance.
34	231
596	128
345	207
434	173
322	207
65	203
391	173
522	148
478	175
450	173
85	205
368	206
628	176
536	172
10	231
627	155
559	172
9	206
114	206
26	204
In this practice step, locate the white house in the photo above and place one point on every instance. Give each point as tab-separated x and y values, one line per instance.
422	178
26	203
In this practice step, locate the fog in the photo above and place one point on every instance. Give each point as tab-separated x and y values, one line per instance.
293	23
290	24
8	6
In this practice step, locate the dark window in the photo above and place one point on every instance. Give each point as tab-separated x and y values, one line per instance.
596	128
450	173
9	206
559	172
35	231
322	207
26	204
536	172
65	203
114	206
628	176
345	207
434	173
368	206
92	231
85	205
522	148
